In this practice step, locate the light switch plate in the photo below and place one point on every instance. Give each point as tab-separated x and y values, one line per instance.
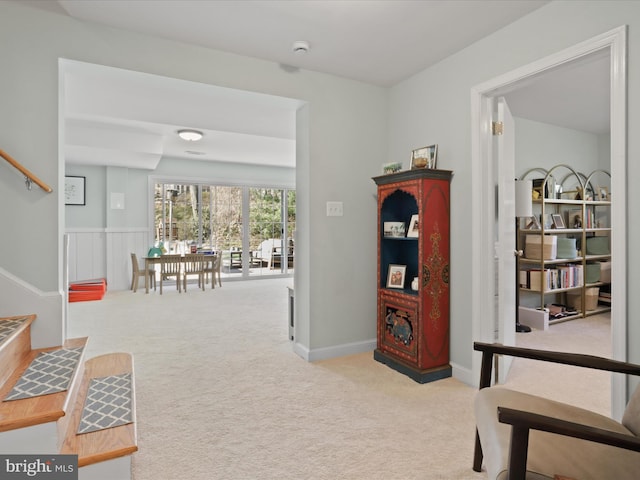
334	209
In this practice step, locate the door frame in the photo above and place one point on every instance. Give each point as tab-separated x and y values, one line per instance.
482	174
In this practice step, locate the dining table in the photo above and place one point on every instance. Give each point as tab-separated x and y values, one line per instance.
150	261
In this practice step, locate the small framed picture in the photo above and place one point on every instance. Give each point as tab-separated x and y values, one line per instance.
414	227
393	229
557	220
602	194
74	190
425	157
395	276
533	224
574	218
392	167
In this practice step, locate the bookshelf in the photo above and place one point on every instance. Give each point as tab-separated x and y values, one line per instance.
567	256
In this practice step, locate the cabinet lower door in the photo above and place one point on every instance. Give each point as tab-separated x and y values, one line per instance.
398	327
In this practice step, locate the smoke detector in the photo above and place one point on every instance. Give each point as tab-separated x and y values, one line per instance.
300	47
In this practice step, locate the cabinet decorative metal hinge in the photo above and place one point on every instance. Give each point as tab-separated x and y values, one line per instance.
497	128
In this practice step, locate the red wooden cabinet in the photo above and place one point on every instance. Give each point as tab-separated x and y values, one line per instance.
413	324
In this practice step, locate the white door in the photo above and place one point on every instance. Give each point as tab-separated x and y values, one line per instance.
506	234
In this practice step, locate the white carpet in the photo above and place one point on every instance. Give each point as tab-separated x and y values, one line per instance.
221	395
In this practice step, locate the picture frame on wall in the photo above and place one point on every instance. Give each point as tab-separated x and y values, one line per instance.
395	276
74	190
414	227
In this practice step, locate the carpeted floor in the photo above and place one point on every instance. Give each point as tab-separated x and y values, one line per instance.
221	395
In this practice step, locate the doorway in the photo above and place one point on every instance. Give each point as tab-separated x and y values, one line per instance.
485	176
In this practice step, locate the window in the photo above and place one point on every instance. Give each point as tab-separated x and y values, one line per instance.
230	220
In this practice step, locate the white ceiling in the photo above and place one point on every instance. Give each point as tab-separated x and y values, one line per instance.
380	42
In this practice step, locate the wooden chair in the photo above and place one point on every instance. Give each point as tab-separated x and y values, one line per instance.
522	436
213	266
138	273
171	266
193	265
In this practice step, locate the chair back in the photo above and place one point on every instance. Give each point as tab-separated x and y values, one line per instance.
194	263
134	263
170	264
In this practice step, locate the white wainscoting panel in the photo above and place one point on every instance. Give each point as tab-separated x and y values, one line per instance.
106	253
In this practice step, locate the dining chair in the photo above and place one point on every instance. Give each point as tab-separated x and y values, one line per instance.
171	266
138	273
193	265
213	266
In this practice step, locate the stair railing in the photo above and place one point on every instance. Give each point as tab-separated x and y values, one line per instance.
28	176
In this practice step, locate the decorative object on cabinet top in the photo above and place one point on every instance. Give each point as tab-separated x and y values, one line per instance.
425	157
392	167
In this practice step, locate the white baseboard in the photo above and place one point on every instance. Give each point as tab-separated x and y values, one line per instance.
465	375
326	353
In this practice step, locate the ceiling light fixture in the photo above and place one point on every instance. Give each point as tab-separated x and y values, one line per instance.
190	135
300	47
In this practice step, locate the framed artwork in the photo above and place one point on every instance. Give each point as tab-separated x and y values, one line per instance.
533	224
574	218
602	194
393	229
557	220
392	167
414	227
74	190
425	157
395	277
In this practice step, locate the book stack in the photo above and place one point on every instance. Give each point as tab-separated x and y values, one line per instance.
560	277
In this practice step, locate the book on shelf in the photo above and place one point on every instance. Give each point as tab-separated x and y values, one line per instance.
560	277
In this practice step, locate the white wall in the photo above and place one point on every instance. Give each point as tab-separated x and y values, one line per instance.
433	106
543	145
346	142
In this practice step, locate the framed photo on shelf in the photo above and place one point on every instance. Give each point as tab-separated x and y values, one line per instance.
534	224
393	229
395	276
602	194
425	157
74	190
414	227
574	218
557	220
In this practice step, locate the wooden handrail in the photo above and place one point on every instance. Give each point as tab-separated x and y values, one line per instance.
30	176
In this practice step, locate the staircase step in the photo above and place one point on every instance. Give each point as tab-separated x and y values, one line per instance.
32	411
15	343
110	443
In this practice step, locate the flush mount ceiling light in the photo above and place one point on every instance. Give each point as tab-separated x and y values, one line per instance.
300	47
190	135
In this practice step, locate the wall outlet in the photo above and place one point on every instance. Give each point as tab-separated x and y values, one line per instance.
334	209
